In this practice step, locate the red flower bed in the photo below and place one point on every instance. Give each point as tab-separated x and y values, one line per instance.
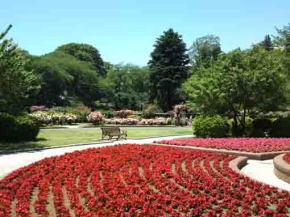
239	144
135	180
287	157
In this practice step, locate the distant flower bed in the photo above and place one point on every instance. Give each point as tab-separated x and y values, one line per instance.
46	118
287	157
135	180
239	144
97	118
134	121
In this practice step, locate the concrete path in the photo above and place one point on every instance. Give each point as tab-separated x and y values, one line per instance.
263	171
10	162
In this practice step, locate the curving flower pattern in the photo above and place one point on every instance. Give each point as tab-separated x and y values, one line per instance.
137	180
240	144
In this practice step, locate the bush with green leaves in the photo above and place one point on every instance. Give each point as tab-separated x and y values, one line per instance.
242	129
150	111
108	113
27	128
7	125
261	127
281	127
18	128
210	126
81	112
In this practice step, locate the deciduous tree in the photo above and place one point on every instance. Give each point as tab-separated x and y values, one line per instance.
238	83
205	50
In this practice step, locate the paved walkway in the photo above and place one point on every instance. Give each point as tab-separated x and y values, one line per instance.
263	171
10	162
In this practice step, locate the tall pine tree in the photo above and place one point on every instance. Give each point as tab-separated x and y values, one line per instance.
168	69
16	84
267	43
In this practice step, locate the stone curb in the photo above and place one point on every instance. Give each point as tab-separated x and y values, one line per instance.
282	168
238	163
250	155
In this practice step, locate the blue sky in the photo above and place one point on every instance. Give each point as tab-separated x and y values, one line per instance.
125	31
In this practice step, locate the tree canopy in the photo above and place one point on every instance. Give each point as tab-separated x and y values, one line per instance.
64	77
85	52
233	83
238	83
204	50
126	86
281	38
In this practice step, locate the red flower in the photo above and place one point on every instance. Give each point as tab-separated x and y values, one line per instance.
239	144
135	180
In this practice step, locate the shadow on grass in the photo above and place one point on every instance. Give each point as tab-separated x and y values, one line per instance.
18	146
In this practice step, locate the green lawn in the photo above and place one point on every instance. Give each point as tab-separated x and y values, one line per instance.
60	137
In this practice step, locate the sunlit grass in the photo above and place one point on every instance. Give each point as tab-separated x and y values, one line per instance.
61	137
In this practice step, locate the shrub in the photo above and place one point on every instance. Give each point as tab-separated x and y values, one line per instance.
43	117
210	126
156	121
53	117
183	121
122	121
7	127
82	117
261	127
96	118
169	121
83	108
58	109
134	121
17	129
69	118
81	112
281	127
108	113
262	123
238	131
27	128
150	111
124	113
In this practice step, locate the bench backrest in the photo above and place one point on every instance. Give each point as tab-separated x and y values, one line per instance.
113	131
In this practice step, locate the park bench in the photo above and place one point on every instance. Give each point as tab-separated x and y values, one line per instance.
113	131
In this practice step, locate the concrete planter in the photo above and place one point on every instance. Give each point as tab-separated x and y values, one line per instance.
249	155
282	168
